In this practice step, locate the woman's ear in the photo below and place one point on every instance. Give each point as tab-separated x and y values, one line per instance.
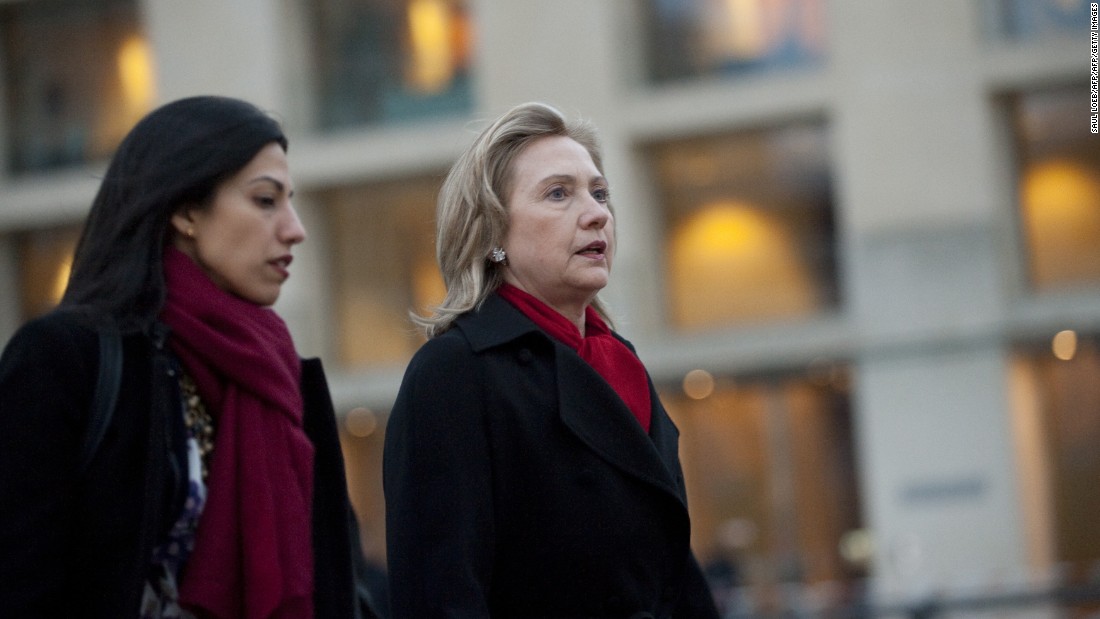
183	222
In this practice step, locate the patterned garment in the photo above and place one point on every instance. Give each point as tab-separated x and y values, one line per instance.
160	599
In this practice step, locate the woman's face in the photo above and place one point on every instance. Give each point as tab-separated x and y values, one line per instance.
243	239
561	233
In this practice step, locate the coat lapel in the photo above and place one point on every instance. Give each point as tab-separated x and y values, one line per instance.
588	406
592	410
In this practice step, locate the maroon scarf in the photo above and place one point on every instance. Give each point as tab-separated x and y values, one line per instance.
611	359
253	556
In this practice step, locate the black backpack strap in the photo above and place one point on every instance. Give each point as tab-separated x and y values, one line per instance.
105	396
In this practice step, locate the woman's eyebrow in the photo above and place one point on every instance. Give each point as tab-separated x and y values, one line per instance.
569	178
280	185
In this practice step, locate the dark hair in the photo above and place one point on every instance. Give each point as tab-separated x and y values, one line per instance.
177	155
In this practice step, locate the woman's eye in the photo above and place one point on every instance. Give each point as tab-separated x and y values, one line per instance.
601	195
265	201
556	193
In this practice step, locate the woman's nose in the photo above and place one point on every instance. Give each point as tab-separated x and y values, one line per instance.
596	214
291	230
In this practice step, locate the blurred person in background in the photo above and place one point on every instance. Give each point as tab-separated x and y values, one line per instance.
217	488
530	469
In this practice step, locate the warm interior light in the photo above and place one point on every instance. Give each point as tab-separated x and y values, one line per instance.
747	30
746	38
698	384
360	422
135	71
732	229
432	58
735	261
61	279
1060	200
1064	345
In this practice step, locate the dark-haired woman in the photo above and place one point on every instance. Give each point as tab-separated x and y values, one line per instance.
218	487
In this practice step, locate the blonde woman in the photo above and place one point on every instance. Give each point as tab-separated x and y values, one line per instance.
530	469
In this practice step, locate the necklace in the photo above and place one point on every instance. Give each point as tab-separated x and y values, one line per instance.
200	424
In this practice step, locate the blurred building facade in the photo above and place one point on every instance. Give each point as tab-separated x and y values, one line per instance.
859	241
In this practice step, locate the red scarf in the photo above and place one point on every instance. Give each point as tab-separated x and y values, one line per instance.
611	359
253	556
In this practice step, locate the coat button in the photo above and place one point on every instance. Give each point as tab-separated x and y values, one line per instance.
525	356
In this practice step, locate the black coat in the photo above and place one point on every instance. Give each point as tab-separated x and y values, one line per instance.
518	484
75	545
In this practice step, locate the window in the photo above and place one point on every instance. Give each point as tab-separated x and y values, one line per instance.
1037	19
79	74
1056	396
749	221
770	467
691	38
45	258
383	240
381	61
1059	188
361	440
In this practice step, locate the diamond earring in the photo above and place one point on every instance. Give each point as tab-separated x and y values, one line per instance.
497	256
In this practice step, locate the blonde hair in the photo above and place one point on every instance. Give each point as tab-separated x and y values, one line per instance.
471	215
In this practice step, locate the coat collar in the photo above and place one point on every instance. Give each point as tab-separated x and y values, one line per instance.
493	323
588	406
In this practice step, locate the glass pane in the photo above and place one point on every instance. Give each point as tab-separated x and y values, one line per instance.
45	258
1055	383
690	38
79	74
749	221
380	61
770	468
361	437
1037	19
383	244
1059	187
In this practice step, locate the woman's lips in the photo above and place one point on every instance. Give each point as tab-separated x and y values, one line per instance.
596	248
282	265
